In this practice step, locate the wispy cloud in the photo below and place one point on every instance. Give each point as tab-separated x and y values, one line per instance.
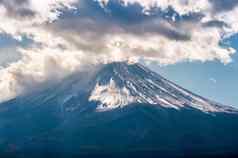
213	80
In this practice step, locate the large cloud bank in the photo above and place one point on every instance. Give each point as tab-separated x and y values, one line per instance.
66	35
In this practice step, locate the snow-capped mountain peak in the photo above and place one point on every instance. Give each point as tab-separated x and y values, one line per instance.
120	84
117	85
129	105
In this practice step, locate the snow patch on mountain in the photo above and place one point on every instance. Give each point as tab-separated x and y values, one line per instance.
110	96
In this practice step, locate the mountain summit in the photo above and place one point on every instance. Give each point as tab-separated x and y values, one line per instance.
120	84
120	110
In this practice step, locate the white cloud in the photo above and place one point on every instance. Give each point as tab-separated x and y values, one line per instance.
181	6
14	22
38	68
213	80
62	46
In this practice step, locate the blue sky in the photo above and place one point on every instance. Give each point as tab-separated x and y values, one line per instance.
211	79
190	42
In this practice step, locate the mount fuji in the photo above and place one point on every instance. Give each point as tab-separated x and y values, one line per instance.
121	110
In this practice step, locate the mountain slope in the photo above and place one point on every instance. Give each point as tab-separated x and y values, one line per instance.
122	110
119	84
